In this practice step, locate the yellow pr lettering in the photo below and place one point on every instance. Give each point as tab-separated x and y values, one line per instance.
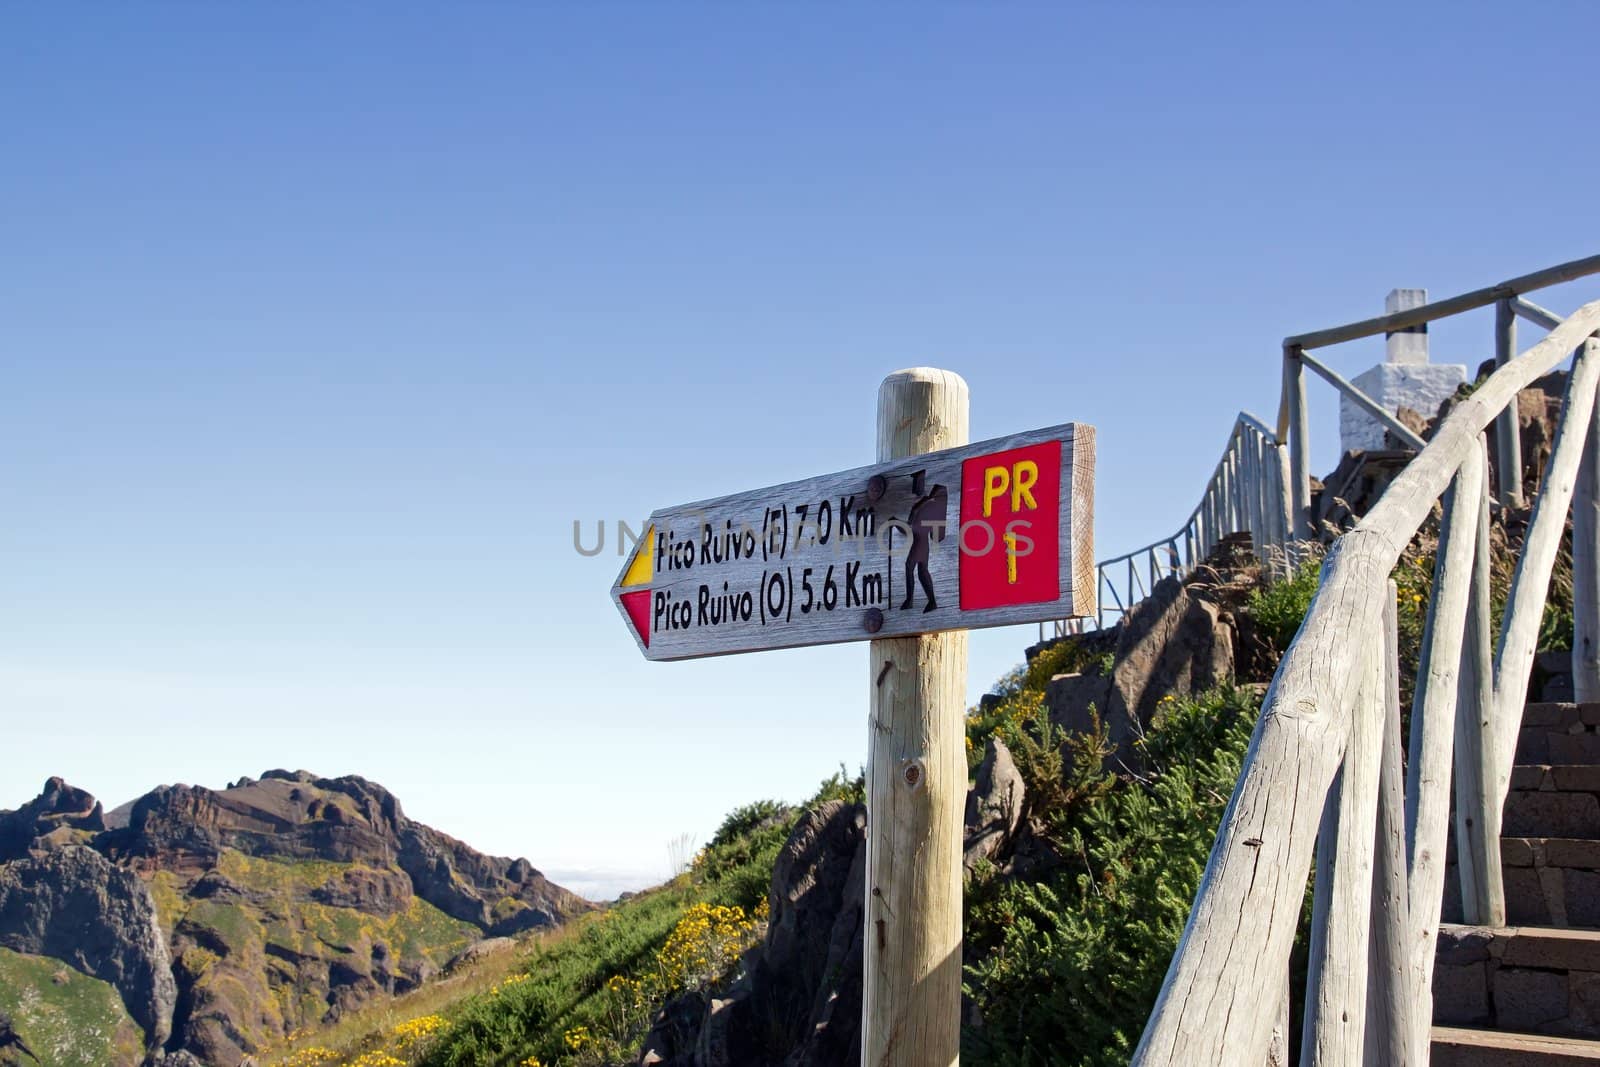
1024	476
995	482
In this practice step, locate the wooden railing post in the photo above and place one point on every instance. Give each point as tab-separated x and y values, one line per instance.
1530	586
1341	909
1298	436
1478	762
1283	507
916	786
1215	1006
1260	537
1433	724
1278	1054
1231	487
1390	1036
1586	566
1508	431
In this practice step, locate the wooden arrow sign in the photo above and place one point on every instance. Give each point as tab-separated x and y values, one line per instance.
989	534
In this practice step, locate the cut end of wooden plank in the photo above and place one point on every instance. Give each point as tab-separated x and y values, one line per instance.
921	409
1462	1047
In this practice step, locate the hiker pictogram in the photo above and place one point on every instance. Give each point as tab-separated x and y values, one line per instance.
927	520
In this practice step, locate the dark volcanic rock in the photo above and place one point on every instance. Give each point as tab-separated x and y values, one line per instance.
58	807
994	805
799	1003
1173	643
374	890
72	904
12	1047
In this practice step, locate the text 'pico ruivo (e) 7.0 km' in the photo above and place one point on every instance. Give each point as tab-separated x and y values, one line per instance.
989	534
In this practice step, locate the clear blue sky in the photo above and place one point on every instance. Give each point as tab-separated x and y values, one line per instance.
319	325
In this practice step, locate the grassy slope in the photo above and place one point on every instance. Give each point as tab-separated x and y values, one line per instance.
68	1019
585	992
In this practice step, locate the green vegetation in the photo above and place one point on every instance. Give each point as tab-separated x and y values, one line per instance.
586	994
1065	954
239	950
67	1018
1278	609
587	998
1063	967
1012	711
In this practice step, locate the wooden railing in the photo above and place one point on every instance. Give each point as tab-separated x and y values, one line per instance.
1247	491
1324	777
1509	304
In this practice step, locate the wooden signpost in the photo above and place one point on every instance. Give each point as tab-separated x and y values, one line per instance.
987	535
938	538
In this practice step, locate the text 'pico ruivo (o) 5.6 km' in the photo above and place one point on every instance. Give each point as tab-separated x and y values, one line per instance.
989	534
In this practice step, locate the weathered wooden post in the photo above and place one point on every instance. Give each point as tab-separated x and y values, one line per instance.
936	538
1294	427
1477	759
1586	567
1391	1038
1508	433
916	786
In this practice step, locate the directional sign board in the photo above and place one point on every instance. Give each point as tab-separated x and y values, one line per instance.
988	534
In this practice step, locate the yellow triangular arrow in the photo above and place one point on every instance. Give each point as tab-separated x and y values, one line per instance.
642	567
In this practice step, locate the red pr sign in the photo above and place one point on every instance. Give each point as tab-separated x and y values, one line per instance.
1010	527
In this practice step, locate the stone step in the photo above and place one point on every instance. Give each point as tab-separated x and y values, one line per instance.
1525	979
1549	881
1559	733
1455	1046
1545	800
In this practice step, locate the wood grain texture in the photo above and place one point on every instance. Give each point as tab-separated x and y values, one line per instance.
1394	1036
783	614
1278	1051
916	785
1530	585
1433	725
1283	508
1477	763
1242	925
1341	924
1078	464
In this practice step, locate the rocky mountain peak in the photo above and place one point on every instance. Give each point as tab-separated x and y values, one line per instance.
51	817
215	905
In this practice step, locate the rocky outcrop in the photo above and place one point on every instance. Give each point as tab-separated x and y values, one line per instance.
295	815
58	815
71	903
12	1047
994	806
288	900
799	1001
1173	643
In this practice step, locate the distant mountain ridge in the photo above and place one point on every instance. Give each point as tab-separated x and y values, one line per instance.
225	919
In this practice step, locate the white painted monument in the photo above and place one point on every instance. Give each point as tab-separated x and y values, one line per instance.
1404	379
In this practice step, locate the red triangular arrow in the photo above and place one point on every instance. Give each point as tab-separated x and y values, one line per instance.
637	605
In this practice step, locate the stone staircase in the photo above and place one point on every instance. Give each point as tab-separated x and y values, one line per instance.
1529	993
